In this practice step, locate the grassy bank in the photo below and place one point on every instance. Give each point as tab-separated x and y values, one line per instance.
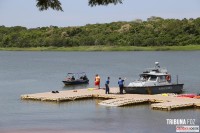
107	48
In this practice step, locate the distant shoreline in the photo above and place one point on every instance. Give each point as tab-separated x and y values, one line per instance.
107	48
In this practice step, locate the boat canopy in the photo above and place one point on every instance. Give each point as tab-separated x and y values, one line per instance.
77	73
157	70
156	74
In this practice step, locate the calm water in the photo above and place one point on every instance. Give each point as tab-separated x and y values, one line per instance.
32	72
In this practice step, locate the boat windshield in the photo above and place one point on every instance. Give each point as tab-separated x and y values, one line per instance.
162	78
143	77
152	78
77	76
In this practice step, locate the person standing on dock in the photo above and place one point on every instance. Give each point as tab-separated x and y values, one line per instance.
97	81
121	85
107	85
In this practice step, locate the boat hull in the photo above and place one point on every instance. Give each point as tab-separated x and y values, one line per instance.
173	88
76	82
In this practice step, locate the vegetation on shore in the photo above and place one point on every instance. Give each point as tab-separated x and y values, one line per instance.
154	34
107	48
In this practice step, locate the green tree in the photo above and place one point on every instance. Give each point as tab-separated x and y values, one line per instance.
56	4
154	32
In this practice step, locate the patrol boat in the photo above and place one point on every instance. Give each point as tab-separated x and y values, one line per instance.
154	81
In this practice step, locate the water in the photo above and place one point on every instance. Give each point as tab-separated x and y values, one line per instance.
33	72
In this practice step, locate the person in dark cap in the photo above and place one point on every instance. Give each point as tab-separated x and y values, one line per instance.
121	85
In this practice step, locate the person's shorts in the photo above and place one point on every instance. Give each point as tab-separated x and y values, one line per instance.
97	83
106	85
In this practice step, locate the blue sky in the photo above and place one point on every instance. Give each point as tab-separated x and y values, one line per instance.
78	13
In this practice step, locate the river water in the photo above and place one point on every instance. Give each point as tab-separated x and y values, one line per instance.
33	72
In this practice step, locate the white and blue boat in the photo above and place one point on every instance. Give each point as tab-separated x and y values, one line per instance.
154	81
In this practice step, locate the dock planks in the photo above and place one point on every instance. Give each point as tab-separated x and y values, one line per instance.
159	102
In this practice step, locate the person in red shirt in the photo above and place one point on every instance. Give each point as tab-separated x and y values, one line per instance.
97	81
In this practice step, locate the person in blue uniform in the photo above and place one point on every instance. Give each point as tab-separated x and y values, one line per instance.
107	85
121	85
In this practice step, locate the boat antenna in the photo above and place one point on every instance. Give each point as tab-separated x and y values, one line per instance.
157	65
177	79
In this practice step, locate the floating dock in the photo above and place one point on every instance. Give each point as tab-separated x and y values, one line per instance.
159	101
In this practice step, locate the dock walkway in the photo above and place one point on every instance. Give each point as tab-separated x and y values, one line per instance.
159	101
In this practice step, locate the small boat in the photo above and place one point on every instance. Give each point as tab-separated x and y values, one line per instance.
76	78
154	81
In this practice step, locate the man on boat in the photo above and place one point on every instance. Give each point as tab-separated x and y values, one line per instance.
121	85
97	81
107	85
73	78
85	77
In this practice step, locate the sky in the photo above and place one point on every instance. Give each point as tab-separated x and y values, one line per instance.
78	13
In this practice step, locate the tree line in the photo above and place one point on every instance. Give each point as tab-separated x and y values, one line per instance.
155	31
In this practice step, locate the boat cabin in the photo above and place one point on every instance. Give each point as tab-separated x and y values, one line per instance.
153	77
